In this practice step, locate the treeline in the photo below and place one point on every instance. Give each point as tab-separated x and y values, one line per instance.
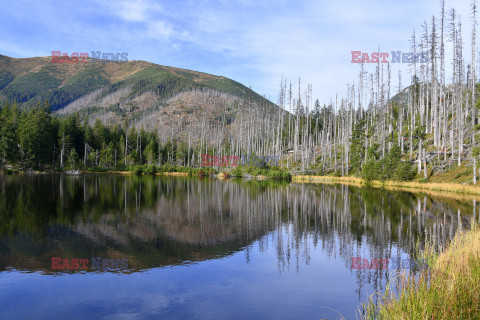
430	125
433	123
35	139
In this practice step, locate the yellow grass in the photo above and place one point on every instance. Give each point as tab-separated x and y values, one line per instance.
130	173
427	187
173	173
107	172
449	290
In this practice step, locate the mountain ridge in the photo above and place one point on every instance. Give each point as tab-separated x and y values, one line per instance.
115	92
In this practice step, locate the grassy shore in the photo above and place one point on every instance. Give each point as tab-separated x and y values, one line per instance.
445	187
448	289
131	173
458	183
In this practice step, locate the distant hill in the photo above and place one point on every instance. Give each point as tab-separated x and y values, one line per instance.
147	94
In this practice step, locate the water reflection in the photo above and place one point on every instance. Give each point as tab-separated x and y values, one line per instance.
163	221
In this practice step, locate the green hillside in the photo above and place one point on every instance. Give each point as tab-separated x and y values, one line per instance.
32	80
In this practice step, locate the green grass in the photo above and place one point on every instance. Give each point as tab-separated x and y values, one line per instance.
455	174
268	172
238	172
449	289
167	168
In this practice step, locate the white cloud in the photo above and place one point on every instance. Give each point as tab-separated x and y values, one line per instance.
159	30
249	41
134	10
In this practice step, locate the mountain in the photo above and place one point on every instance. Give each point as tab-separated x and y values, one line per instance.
146	94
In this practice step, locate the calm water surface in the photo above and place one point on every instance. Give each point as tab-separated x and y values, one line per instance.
204	249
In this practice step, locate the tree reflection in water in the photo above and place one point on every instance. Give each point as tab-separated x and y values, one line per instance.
163	221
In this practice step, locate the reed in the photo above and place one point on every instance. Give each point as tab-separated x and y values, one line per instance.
448	289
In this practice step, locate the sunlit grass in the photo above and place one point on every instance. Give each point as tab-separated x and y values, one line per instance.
414	185
449	289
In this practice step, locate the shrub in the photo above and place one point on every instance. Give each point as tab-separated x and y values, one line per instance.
285	175
382	169
237	172
369	171
136	169
405	172
393	160
150	169
278	174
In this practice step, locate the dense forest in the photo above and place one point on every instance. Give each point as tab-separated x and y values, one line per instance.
429	126
37	140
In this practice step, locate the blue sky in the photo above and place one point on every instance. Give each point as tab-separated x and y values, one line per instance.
253	42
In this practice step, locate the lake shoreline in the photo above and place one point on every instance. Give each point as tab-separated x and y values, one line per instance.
425	187
175	229
434	188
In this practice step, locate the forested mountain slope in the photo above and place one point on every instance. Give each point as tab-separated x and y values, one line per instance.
156	97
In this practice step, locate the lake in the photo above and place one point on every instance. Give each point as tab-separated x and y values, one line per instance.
143	247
